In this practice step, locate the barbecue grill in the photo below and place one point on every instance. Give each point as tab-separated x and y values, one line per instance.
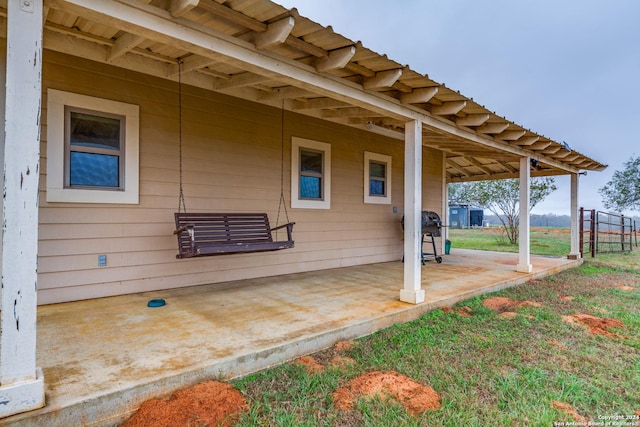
431	228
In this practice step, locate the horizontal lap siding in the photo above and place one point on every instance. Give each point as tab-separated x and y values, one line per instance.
231	160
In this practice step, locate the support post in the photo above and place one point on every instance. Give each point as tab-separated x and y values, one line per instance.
575	226
412	291
524	234
21	382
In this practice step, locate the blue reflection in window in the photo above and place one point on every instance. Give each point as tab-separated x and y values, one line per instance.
95	170
310	187
376	188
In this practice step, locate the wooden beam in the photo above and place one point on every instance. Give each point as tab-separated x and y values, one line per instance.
320	103
124	44
527	140
419	96
511	135
492	128
229	14
539	146
180	8
287	92
472	119
336	59
347	112
240	80
382	79
507	166
276	33
448	108
479	166
191	63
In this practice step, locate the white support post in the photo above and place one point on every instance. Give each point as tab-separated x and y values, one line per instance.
21	382
575	230
445	204
412	291
524	234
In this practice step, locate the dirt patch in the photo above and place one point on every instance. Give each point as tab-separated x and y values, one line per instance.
462	311
415	397
595	325
566	298
565	407
310	364
625	287
211	403
341	361
506	304
343	346
554	342
512	314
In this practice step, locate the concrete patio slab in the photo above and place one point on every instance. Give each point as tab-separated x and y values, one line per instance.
101	358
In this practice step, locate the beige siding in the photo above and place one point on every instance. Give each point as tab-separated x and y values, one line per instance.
232	162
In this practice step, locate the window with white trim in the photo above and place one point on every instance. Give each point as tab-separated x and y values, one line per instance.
310	174
377	178
92	149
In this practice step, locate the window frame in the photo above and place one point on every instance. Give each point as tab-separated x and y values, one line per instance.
370	157
60	104
69	148
297	145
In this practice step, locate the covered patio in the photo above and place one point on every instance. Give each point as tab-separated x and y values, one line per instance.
103	357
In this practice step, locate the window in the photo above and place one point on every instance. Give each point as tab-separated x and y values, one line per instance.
92	149
377	178
310	174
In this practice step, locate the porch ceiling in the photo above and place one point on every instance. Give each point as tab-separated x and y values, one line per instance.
287	60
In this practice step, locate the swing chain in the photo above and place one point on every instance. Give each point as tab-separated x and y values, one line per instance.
282	201
181	204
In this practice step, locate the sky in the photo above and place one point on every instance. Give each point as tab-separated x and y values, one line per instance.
566	69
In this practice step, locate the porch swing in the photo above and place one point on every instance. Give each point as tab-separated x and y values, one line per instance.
205	234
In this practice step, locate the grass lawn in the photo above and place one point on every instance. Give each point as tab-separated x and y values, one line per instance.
488	369
544	241
529	364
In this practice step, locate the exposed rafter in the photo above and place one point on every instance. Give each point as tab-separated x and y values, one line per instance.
473	119
382	79
448	108
181	7
511	135
276	33
124	44
418	96
336	59
493	128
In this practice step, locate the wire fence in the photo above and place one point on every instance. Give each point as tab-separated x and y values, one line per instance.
606	232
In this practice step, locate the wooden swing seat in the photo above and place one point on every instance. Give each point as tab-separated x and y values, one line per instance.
203	234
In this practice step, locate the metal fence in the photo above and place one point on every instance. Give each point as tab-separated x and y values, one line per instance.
606	232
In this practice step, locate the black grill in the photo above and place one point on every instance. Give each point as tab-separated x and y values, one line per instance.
431	227
431	224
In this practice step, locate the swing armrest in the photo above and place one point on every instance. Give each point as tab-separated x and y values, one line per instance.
185	227
289	229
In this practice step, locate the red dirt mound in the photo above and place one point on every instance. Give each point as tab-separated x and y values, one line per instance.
462	311
210	403
413	396
565	407
310	364
504	304
341	361
344	345
595	325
